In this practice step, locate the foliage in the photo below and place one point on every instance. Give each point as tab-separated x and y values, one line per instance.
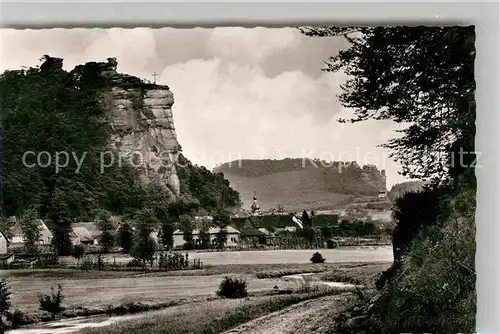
187	227
420	77
107	238
173	261
308	234
233	288
78	251
167	234
204	238
125	237
31	231
210	189
19	318
52	303
435	278
326	232
144	246
305	219
4	298
423	78
412	211
317	258
221	237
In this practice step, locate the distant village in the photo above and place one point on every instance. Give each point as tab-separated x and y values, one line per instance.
248	229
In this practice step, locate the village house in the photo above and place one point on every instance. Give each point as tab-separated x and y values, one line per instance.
6	257
233	237
18	239
4	244
85	233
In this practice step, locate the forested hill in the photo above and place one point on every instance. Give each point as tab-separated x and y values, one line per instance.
47	109
298	183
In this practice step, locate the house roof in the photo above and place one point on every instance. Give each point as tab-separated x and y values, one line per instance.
82	233
211	230
17	229
251	232
264	231
91	227
4	236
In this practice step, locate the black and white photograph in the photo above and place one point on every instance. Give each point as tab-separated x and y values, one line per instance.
261	180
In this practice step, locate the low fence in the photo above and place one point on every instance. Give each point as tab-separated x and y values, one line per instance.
162	261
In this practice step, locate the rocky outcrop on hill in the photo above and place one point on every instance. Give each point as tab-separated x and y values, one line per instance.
142	123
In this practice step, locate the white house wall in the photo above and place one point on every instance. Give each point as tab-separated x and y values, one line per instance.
3	245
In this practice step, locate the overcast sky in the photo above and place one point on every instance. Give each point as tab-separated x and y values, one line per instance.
239	93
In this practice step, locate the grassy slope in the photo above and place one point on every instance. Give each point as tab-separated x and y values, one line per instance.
296	190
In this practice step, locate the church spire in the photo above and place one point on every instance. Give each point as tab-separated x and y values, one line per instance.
255	207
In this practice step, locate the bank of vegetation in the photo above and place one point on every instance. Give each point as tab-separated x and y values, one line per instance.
422	78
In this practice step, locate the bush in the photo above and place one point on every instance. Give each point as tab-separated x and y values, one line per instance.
232	288
52	303
134	263
19	318
317	258
173	261
78	251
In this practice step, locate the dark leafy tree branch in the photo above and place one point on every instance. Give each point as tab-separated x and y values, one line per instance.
420	77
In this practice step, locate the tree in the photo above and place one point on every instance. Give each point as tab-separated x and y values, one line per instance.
221	237
204	238
31	231
222	220
78	252
107	238
306	220
423	79
167	234
420	77
52	303
61	219
411	212
326	232
4	299
144	246
185	222
125	237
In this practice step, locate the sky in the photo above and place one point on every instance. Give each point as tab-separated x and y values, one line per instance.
240	93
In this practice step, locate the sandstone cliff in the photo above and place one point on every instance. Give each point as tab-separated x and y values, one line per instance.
143	126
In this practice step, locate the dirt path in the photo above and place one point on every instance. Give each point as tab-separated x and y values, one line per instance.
306	317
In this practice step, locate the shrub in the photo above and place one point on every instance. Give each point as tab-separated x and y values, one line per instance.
134	263
232	288
4	297
317	258
19	318
52	303
78	251
173	261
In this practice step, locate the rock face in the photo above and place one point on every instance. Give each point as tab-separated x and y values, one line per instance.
143	126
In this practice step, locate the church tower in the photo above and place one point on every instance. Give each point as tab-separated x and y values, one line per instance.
255	207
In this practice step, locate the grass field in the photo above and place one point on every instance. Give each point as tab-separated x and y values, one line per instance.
98	288
289	256
211	317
